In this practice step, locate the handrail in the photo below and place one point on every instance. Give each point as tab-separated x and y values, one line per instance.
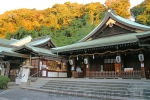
29	78
34	74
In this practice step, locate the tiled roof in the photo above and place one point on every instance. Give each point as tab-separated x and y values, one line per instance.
105	41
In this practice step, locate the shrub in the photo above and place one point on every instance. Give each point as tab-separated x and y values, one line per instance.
3	81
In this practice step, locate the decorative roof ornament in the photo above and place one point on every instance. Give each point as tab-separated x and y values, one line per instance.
27	65
110	22
109	10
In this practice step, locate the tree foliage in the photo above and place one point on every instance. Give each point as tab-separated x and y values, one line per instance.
142	12
66	23
121	7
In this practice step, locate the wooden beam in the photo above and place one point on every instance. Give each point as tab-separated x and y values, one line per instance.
144	44
125	27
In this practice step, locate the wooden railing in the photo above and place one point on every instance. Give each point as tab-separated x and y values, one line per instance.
104	74
112	74
132	74
78	74
147	74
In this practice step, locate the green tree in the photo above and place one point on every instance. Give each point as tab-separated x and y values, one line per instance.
142	12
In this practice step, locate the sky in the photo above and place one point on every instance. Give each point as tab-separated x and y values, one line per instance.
7	5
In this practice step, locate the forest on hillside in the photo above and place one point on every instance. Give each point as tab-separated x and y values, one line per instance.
67	23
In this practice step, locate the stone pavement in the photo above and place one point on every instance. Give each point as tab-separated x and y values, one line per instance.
15	93
22	94
11	86
1	98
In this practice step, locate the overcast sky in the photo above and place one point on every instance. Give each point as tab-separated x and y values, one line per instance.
7	5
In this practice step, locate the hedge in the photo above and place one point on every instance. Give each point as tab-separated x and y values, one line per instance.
3	81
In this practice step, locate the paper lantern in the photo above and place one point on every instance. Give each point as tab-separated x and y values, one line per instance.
71	62
141	57
85	61
118	59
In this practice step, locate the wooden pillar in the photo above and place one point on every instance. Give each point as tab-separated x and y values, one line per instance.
72	63
142	69
87	68
118	67
141	59
8	68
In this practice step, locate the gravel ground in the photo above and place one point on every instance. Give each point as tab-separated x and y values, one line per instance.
21	94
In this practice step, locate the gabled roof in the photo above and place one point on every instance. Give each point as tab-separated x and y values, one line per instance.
6	48
32	46
37	50
8	51
42	40
105	41
111	15
22	41
6	41
10	47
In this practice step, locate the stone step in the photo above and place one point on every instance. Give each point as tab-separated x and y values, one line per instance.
95	94
88	84
136	84
90	87
98	86
83	89
82	85
118	90
59	81
101	81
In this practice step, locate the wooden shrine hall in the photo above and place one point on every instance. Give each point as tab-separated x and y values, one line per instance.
116	48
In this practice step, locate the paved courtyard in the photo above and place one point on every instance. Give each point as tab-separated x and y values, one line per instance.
22	94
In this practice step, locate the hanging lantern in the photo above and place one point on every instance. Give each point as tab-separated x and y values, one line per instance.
0	67
118	59
141	57
71	62
93	56
85	61
77	58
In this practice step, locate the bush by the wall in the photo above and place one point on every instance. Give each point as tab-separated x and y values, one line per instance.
3	81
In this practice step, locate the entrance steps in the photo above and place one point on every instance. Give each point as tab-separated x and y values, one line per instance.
113	89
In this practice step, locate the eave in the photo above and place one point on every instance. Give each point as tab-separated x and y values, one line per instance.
101	42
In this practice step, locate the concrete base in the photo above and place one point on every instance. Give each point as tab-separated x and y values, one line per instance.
120	78
143	79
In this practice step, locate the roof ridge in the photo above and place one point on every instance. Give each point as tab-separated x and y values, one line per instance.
42	37
7	45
